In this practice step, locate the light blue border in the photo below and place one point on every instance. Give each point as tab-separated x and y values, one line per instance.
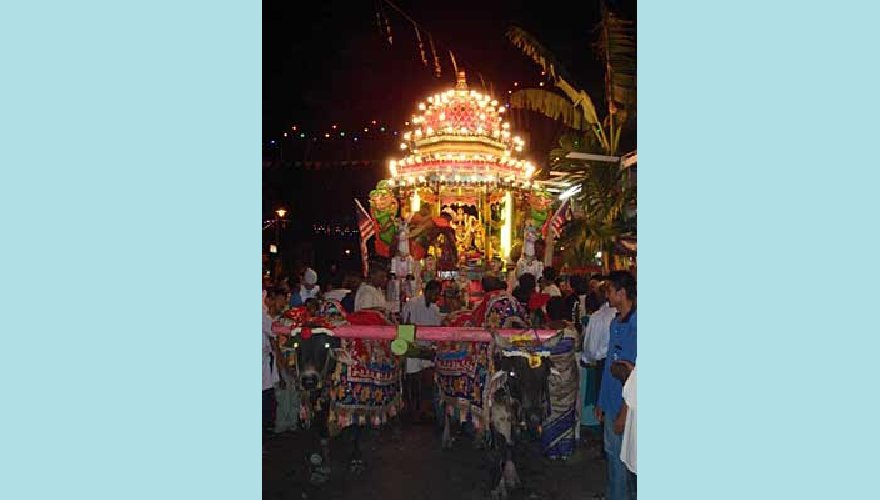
129	188
130	201
757	249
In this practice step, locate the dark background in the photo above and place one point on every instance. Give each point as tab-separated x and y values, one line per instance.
327	63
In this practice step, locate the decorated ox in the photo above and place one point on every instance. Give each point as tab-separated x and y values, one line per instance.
519	395
312	354
463	369
338	379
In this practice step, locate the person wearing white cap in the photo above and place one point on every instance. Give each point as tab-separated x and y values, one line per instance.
308	290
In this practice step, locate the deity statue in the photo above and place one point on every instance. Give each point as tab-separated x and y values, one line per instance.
403	267
529	239
403	237
528	263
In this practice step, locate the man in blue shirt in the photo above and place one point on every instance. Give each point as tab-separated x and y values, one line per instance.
610	408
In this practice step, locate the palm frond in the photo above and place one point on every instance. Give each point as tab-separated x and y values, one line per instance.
616	49
530	46
553	106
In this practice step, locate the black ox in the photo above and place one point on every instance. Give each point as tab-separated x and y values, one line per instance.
315	356
519	401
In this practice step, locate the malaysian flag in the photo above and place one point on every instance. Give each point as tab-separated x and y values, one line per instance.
367	227
563	214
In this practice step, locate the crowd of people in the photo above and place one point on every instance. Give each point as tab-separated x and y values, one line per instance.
601	308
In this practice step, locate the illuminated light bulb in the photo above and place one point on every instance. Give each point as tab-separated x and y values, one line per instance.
418	133
334	127
429	131
464	130
516	84
442	178
285	134
406	136
505	134
541	84
449	129
326	134
342	134
366	129
402	145
482	116
501	109
431	99
393	168
406	123
519	149
442	116
422	106
418	159
505	125
494	102
422	178
479	129
457	178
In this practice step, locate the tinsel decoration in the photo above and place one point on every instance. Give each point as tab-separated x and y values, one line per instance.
454	66
379	17
382	23
437	71
421	45
387	28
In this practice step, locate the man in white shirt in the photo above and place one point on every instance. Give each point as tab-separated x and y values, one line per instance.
420	311
371	294
308	290
549	282
598	332
271	375
626	371
338	290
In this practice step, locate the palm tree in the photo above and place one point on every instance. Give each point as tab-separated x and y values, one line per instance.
604	198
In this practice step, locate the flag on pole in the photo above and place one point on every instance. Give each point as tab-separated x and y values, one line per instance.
367	227
563	214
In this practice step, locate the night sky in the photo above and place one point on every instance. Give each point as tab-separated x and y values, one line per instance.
326	63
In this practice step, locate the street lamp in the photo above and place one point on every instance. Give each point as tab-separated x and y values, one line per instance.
280	213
